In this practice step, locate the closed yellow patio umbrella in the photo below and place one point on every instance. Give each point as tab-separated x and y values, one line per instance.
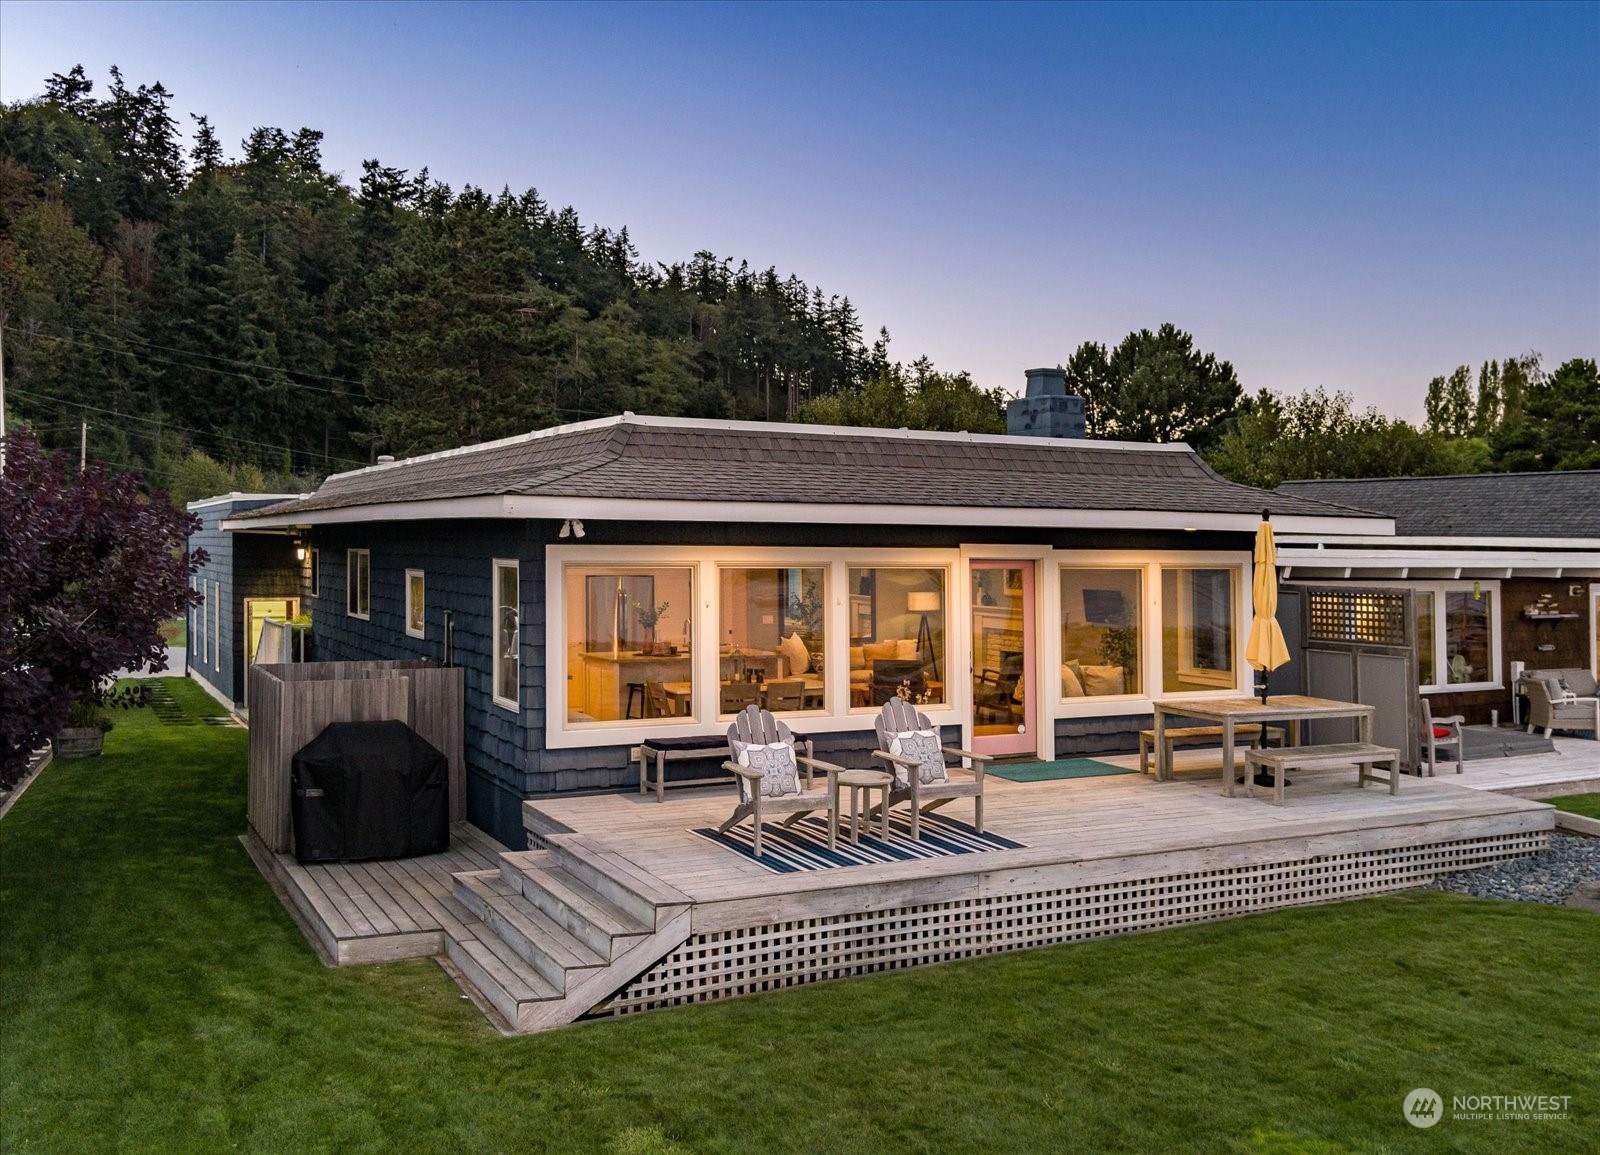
1266	649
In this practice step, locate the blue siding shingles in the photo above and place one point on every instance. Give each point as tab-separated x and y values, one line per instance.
243	566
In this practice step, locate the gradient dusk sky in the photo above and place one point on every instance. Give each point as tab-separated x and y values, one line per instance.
1354	196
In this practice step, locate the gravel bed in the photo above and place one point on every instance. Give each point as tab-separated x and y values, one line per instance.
1549	878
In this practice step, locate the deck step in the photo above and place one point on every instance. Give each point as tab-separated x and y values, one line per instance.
510	985
617	880
533	936
588	916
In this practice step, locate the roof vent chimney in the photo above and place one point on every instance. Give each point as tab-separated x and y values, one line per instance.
385	458
1047	410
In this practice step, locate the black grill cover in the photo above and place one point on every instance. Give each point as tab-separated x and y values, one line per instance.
369	790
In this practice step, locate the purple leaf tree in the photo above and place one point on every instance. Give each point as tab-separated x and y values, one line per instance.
90	567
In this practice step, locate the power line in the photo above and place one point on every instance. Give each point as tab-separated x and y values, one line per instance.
197	368
216	357
181	428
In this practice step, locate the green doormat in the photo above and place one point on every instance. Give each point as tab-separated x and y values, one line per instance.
1050	771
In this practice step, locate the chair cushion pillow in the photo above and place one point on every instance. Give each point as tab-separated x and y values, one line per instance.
1070	686
1582	683
1099	680
780	773
880	651
905	650
1443	732
923	745
794	649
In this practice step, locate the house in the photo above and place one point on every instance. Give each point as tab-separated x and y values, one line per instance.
1484	575
632	577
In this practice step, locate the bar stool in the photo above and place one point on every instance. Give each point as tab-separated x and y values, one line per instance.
635	690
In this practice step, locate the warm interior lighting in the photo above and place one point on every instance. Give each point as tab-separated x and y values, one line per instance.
925	602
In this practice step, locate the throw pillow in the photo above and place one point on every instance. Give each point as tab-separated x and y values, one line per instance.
858	658
1099	680
880	651
795	651
1441	731
780	774
905	649
1070	686
923	745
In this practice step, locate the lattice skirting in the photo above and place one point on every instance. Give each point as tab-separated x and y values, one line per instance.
726	964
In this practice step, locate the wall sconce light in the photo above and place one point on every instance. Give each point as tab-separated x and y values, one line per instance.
572	527
299	553
1477	591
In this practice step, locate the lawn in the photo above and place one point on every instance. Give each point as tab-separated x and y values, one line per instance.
175	633
1587	805
153	997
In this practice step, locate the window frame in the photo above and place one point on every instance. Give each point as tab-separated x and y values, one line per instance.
722	566
358	564
496	565
1185	618
421	629
1439	590
1141	573
314	578
216	624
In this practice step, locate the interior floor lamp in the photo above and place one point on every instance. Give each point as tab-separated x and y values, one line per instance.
926	602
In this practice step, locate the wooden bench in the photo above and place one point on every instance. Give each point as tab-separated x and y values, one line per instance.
1252	732
658	752
1362	755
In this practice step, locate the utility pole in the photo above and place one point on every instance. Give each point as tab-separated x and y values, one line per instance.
83	448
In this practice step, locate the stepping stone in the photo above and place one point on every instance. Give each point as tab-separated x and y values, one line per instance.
1586	897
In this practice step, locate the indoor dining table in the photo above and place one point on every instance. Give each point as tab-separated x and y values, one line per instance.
1231	713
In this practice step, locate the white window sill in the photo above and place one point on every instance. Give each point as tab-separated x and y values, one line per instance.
1461	688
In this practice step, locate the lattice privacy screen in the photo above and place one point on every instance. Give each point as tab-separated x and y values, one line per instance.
1372	617
726	964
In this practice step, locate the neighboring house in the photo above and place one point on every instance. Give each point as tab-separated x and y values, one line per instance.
631	577
1487	573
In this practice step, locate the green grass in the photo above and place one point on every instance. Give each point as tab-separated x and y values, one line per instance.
153	997
1587	805
175	632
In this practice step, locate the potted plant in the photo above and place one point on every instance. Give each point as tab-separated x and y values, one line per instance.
84	734
648	618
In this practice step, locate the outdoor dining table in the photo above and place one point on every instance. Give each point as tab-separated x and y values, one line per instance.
1234	712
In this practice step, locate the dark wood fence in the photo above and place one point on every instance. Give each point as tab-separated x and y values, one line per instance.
291	704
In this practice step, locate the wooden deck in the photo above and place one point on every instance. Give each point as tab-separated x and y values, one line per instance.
619	907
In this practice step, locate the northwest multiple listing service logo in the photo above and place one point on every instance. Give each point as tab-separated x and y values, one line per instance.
1424	1107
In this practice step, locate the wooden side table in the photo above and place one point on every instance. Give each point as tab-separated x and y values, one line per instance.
861	784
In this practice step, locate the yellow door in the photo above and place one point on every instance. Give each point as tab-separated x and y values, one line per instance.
258	610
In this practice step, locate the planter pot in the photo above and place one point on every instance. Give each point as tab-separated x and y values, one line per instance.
79	742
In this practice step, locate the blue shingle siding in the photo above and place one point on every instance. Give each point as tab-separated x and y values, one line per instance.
456	559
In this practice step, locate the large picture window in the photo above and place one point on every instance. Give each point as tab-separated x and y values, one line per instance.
1197	629
1101	632
358	583
898	619
772	625
507	635
629	633
1455	637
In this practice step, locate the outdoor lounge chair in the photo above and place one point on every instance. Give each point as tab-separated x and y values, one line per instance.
1561	700
995	696
768	769
909	743
1439	736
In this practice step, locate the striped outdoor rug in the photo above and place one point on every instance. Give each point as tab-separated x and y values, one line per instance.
804	846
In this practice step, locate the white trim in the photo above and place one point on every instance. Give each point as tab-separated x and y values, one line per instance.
349	590
314	579
495	566
1531	542
223	499
1594	630
422	630
216	625
656	508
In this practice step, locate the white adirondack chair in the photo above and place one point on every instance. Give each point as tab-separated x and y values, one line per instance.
768	768
923	778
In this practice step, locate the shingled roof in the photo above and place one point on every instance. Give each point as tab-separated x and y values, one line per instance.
667	460
1519	505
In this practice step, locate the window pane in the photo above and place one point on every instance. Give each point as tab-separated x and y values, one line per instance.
415	613
771	624
1466	637
1197	631
1100	632
897	635
507	633
629	633
1426	675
